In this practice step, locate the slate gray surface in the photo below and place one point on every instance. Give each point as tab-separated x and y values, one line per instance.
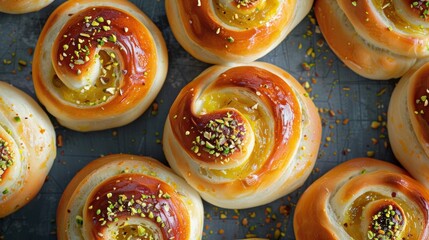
334	87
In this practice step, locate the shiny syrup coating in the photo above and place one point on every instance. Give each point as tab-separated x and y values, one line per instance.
246	3
203	24
85	31
276	93
419	9
137	194
420	105
132	41
386	221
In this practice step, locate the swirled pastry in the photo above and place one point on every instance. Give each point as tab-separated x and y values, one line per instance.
378	39
27	148
408	118
222	31
22	6
98	64
129	197
363	199
243	136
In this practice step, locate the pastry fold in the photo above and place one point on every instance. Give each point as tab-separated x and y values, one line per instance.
129	197
98	64
243	135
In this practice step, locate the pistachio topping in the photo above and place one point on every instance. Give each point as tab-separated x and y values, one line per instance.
220	137
385	224
245	3
245	14
105	86
422	102
79	220
77	49
422	6
143	205
6	159
141	231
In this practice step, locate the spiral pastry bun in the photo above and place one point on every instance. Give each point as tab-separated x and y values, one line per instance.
408	118
376	39
224	31
98	64
129	197
363	199
27	148
243	135
22	6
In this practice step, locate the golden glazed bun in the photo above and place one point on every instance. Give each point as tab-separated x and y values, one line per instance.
224	31
98	64
129	197
243	135
22	6
27	148
376	39
408	118
363	199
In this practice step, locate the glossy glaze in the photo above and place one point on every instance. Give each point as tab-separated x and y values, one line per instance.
97	64
351	198
419	97
202	24
129	197
121	37
275	132
283	109
27	148
139	196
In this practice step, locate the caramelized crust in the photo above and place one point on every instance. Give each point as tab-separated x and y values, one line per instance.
98	64
244	135
408	122
378	39
363	199
126	196
221	31
27	148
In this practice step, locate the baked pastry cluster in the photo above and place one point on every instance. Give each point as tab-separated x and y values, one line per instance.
408	122
376	39
129	197
363	199
98	64
27	148
243	135
22	6
225	31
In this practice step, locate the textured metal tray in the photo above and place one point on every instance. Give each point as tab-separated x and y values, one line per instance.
348	103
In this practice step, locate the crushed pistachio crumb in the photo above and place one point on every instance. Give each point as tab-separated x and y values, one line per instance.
244	3
222	136
422	6
6	159
145	205
386	223
422	101
79	220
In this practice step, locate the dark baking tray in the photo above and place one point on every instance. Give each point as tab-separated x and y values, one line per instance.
348	105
